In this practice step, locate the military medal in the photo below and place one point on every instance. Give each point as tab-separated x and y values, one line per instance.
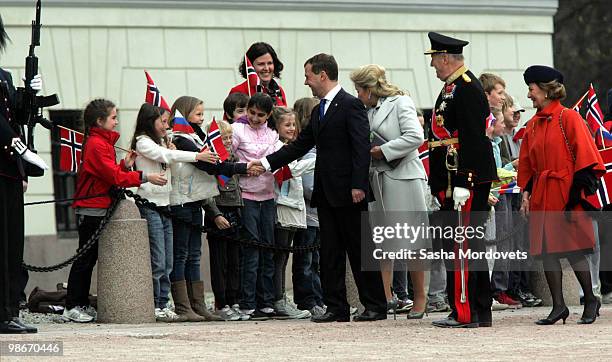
442	106
440	120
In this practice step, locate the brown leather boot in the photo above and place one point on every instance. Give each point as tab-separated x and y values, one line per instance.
195	290
181	302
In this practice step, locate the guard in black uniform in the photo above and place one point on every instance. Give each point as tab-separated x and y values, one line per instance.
13	155
462	168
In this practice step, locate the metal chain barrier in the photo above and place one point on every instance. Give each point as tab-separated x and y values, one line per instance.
119	194
116	197
141	201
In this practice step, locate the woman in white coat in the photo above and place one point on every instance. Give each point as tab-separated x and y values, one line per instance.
398	177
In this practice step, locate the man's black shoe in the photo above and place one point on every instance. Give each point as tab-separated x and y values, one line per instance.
28	328
450	322
369	316
10	327
329	317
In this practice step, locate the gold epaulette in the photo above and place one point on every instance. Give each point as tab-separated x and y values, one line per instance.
466	78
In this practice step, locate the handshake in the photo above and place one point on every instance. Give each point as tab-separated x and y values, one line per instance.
255	168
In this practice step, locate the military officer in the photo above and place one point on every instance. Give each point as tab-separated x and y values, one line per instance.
13	155
461	171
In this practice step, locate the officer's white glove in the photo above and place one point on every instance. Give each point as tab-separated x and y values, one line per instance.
460	196
28	155
36	83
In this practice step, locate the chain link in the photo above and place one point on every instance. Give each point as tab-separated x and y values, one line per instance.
141	201
116	196
119	194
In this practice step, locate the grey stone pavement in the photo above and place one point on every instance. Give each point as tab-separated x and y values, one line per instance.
514	336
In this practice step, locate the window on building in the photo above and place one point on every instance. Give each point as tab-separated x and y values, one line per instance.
64	183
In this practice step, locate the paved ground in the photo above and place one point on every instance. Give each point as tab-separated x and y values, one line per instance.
513	337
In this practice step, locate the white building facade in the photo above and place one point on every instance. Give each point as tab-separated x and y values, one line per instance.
100	48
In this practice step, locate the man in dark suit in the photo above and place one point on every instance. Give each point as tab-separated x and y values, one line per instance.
339	129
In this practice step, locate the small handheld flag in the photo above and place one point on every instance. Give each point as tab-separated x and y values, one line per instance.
253	81
603	196
180	124
153	96
215	142
282	174
424	156
71	143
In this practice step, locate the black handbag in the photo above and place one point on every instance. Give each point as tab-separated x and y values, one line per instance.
378	140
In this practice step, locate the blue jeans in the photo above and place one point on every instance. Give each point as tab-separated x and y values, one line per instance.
160	243
257	265
187	242
306	281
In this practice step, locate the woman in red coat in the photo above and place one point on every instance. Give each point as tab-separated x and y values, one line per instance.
558	166
268	67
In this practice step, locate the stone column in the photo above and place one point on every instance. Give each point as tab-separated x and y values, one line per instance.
125	286
571	287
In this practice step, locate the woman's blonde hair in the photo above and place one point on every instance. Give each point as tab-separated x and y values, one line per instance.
372	77
553	89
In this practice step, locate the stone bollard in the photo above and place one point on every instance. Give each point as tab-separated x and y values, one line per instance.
571	287
125	286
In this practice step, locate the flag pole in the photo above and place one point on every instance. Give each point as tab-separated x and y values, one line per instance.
580	100
246	71
81	133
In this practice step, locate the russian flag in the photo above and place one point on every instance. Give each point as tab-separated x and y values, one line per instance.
180	124
222	179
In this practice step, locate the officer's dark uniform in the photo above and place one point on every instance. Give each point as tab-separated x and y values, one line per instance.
11	208
461	155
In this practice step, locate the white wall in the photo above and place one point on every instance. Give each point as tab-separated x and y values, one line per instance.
101	52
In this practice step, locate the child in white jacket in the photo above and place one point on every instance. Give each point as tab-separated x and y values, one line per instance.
290	212
154	157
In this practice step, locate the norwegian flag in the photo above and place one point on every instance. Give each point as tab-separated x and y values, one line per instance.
71	143
282	174
253	81
153	96
215	142
604	193
594	115
424	156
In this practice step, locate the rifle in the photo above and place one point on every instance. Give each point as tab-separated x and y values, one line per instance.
29	105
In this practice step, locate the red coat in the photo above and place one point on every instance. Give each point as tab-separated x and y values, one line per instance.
99	170
546	160
243	88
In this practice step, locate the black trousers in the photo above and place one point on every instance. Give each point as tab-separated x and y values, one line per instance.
79	280
11	246
225	259
478	293
341	236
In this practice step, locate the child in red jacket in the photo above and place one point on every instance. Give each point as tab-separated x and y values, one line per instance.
98	172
